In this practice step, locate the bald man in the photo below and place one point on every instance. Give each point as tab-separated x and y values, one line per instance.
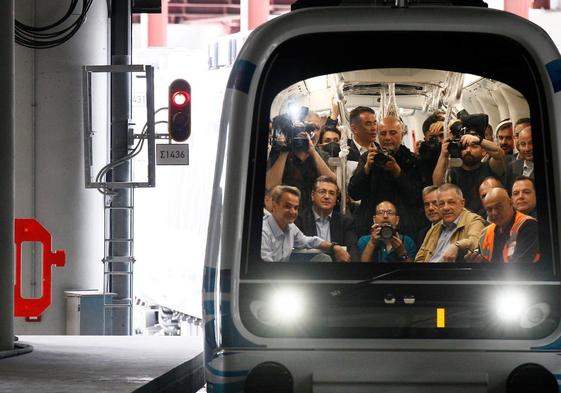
511	238
486	185
387	173
524	165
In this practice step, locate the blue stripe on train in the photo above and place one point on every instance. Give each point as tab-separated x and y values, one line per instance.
227	374
554	70
241	75
233	387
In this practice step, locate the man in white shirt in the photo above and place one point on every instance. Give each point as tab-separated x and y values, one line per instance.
280	235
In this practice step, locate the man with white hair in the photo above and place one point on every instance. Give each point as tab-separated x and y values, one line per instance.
387	173
456	233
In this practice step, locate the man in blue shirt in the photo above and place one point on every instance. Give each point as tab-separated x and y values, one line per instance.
384	244
280	235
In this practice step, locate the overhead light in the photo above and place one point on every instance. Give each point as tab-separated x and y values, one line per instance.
294	111
316	83
470	78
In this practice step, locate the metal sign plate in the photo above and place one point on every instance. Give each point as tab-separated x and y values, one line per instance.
172	154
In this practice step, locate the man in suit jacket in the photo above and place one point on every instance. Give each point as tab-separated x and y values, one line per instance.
364	126
324	221
524	165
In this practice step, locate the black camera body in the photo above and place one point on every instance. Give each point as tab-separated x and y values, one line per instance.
293	132
332	148
386	231
467	124
382	157
429	150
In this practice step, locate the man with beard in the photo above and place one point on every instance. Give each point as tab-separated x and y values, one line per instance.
387	174
504	137
279	234
472	172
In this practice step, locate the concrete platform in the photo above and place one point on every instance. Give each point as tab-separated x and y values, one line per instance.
103	364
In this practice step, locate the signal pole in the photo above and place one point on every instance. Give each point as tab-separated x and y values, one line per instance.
119	259
7	176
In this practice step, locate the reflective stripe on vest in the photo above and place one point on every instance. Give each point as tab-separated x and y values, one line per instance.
487	239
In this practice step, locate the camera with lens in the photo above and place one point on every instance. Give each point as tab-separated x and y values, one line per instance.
382	157
386	231
429	150
290	135
466	124
332	148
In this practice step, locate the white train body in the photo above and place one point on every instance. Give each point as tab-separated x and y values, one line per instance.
363	344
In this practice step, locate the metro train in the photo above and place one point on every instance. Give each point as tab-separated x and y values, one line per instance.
293	326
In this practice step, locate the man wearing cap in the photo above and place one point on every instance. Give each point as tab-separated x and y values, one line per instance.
504	137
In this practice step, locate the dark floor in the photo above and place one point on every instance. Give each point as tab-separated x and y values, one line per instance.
96	363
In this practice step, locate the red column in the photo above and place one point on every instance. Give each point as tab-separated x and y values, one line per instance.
518	7
258	12
158	27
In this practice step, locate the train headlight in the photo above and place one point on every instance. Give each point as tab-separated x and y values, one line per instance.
282	307
287	305
510	305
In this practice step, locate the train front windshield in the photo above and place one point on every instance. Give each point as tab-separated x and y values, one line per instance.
391	199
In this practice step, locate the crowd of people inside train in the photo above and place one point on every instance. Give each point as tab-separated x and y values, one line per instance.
469	197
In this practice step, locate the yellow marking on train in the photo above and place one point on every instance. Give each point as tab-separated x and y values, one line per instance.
440	318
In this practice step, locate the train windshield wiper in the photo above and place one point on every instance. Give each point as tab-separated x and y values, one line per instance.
357	287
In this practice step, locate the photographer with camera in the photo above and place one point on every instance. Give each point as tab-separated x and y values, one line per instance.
429	149
457	233
294	160
385	244
463	152
388	172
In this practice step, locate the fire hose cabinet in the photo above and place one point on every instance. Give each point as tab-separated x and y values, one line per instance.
87	312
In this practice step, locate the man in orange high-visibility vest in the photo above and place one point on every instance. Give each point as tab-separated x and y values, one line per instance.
512	236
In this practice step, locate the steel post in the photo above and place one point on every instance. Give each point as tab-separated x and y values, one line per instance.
7	176
120	221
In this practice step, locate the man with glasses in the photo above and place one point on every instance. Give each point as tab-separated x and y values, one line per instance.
456	233
385	244
324	221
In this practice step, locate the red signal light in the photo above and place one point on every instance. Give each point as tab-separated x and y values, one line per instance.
179	110
181	98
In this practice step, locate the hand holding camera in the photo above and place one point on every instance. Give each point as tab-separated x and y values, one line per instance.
392	166
372	152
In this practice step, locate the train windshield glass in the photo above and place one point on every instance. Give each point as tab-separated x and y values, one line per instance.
405	167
